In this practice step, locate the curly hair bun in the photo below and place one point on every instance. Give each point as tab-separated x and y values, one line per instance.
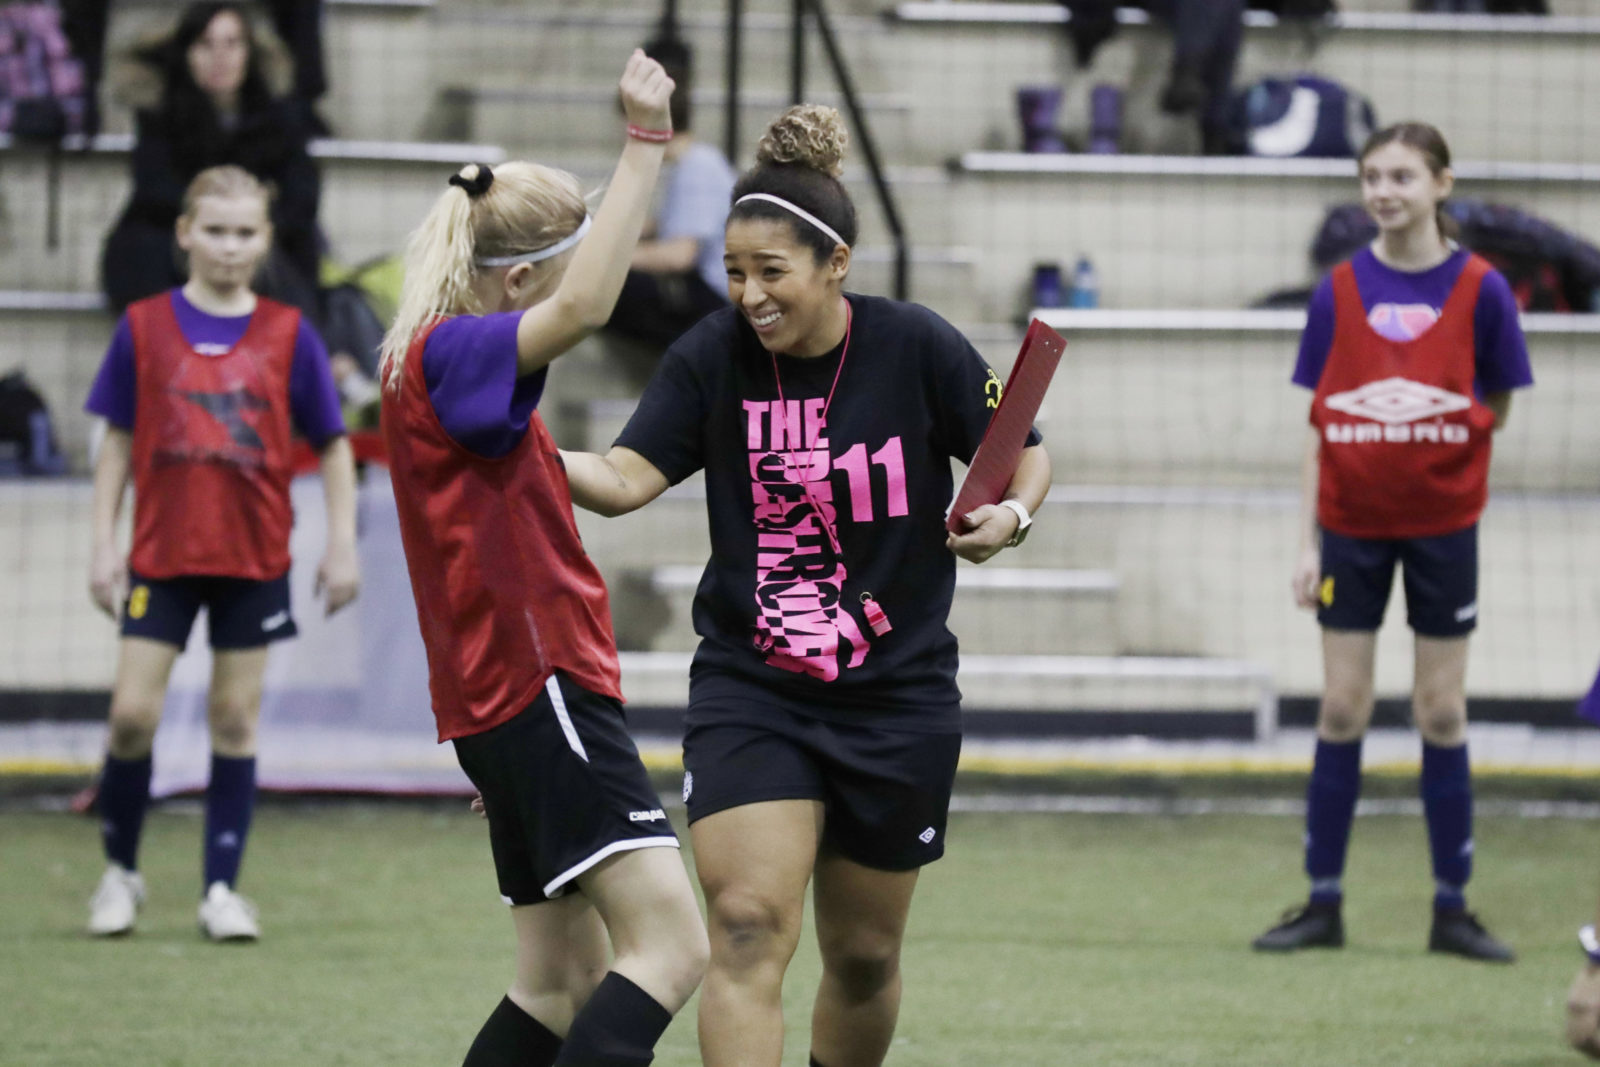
810	135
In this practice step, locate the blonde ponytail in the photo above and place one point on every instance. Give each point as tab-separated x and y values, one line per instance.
519	207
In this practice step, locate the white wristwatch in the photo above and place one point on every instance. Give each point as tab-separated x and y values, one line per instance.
1024	520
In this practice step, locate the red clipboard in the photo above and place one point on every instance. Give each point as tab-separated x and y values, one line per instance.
1001	448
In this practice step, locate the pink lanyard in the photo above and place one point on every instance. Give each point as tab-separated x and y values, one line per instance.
875	614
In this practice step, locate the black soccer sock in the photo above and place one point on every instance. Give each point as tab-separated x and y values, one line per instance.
124	797
619	1027
512	1038
230	803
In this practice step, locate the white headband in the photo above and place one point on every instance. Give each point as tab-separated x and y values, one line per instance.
796	209
544	253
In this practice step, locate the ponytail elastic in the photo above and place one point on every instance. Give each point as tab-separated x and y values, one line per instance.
477	185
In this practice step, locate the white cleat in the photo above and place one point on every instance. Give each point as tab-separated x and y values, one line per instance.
115	904
226	916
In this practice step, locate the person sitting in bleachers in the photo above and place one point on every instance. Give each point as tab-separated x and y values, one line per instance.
215	104
676	277
297	22
1206	39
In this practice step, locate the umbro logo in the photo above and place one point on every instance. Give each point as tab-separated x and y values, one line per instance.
927	836
1398	400
275	620
646	816
1468	612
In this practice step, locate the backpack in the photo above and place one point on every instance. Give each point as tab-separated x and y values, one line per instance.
1547	268
358	304
1300	115
43	93
27	437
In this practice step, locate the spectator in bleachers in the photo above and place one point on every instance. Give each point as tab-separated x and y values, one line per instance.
676	277
215	104
297	22
1206	38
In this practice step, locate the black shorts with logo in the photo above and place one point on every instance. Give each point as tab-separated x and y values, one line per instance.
885	792
242	612
563	788
1440	575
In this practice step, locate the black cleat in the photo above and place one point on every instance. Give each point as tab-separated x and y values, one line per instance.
1314	926
1461	934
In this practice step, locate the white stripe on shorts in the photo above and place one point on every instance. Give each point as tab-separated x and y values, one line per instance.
560	704
558	885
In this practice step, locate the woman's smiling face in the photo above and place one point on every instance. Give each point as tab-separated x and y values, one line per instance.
775	281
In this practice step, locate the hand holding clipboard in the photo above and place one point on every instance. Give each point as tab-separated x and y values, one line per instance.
1000	451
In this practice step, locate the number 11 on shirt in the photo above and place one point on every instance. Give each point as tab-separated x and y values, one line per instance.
857	465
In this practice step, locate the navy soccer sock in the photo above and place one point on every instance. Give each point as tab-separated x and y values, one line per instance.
230	801
124	797
1330	807
512	1038
1447	804
618	1027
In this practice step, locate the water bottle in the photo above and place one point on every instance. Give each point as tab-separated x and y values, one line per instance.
1048	290
1085	285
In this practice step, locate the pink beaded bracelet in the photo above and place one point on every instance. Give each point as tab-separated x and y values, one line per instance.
639	133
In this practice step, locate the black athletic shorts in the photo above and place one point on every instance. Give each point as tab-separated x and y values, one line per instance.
563	788
1440	575
885	793
242	613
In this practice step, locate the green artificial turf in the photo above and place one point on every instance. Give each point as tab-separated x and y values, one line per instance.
1040	940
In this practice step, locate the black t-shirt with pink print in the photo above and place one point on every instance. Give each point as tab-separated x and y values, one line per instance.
780	605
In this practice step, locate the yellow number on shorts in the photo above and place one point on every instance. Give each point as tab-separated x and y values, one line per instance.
138	601
1325	594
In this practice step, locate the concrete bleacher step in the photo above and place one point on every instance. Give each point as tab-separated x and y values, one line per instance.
1202	398
1025	610
374	194
1396	16
1482	88
556	121
560	118
1202	575
1499	88
1187	233
671	531
1135	685
1158	397
1197	398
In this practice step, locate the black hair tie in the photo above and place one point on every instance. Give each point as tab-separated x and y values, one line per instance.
475	186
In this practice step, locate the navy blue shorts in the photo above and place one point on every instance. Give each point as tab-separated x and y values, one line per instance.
563	788
885	793
1440	575
243	613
